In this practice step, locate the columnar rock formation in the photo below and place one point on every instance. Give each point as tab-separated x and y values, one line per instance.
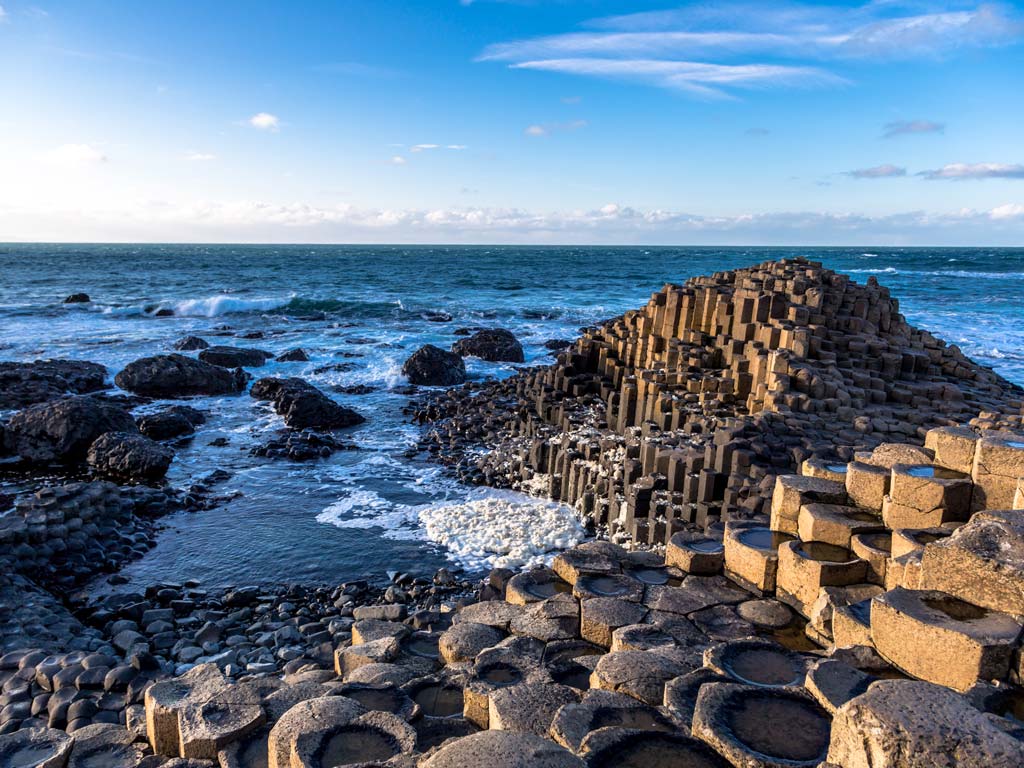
687	410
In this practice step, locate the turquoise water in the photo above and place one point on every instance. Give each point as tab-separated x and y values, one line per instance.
359	312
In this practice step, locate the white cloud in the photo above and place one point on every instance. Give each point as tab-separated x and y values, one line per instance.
696	77
878	172
1008	211
696	48
200	156
423	147
456	146
911	127
548	128
398	160
261	221
964	171
75	156
3	15
265	122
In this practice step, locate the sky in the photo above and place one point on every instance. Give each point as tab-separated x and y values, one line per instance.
513	121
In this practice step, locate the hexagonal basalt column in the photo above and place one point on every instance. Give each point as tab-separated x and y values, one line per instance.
874	549
762	727
35	748
511	662
502	749
372	737
594	557
998	465
643	674
534	585
835	524
939	638
695	553
867	485
617	747
926	496
752	555
825	469
982	562
298	723
954	447
757	662
807	566
616	585
529	707
601	616
793	491
604	709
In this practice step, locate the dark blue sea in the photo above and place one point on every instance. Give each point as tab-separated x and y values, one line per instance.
359	311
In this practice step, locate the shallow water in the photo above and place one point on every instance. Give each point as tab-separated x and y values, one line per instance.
359	312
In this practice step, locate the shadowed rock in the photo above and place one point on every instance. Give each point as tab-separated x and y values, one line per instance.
432	366
63	430
494	345
179	376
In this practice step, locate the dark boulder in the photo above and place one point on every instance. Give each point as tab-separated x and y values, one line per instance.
234	357
191	344
78	298
493	344
171	422
24	384
297	355
303	406
306	445
557	345
436	316
179	376
129	457
64	429
433	366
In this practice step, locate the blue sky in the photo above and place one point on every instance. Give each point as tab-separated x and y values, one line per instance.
547	121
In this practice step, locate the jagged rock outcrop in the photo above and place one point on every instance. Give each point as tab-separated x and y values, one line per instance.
129	457
234	357
23	384
432	366
179	376
688	409
175	421
492	344
303	406
62	430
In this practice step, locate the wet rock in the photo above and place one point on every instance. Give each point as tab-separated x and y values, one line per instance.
234	357
175	421
918	725
63	430
300	446
77	298
557	345
432	366
297	355
23	384
172	376
493	344
191	344
35	748
129	457
502	749
303	406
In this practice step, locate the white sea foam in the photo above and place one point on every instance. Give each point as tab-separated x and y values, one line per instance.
367	509
214	306
502	531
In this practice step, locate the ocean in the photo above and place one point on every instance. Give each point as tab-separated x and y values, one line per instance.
359	312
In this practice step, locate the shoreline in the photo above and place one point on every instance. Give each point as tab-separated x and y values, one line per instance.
760	438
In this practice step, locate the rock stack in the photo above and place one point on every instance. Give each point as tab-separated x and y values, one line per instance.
685	412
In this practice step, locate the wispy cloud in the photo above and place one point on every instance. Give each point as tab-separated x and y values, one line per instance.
398	160
878	172
456	147
696	48
265	122
548	128
423	147
695	77
976	171
3	15
75	156
911	127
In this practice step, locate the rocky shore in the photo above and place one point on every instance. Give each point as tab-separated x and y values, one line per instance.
811	554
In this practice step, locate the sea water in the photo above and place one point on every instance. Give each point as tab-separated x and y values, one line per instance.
359	311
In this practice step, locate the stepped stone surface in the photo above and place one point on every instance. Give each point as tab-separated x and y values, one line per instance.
685	411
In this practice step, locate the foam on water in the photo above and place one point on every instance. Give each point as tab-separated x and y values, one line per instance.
501	530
